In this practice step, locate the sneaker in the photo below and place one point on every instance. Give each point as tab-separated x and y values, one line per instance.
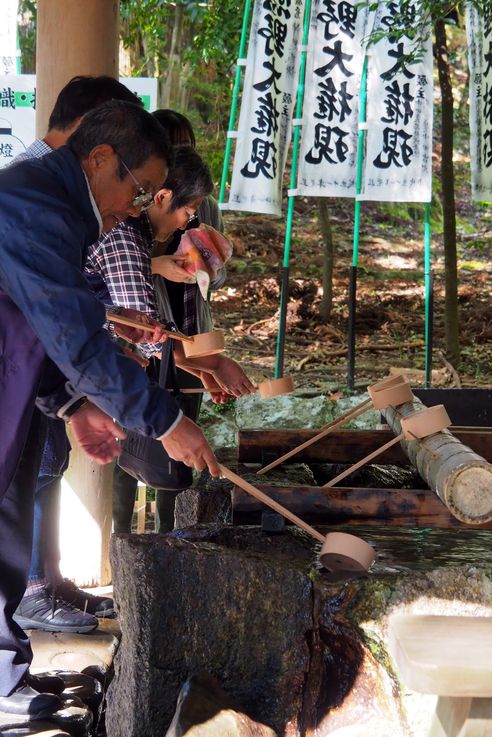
99	606
45	611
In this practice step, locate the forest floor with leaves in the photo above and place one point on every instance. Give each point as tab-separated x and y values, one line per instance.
390	294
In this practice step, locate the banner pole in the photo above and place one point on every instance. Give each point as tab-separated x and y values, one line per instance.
352	293
284	290
241	61
428	333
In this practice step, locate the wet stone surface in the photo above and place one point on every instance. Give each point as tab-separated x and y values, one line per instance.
299	651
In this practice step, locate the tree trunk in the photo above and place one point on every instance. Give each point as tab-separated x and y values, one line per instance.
448	202
461	478
328	258
170	89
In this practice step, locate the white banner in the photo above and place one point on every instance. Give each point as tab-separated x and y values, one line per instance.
17	115
18	110
8	37
479	32
398	156
328	153
267	106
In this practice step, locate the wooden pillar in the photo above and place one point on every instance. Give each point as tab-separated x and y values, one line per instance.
78	37
73	37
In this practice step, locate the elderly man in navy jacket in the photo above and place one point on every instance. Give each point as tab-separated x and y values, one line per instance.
53	348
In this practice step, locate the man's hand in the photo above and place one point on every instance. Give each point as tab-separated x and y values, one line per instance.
231	378
188	444
171	267
134	335
96	433
143	362
217	394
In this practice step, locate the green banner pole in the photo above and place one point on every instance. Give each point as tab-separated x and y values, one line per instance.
241	61
284	293
352	295
428	331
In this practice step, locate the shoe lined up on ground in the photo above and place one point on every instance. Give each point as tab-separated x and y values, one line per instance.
99	606
30	704
45	682
48	611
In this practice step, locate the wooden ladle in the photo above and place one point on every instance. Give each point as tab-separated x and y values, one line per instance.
414	426
339	551
267	389
389	392
123	320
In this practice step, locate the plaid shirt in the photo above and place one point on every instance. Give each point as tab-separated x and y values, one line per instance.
122	260
36	150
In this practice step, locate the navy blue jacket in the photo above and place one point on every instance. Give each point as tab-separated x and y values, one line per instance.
47	308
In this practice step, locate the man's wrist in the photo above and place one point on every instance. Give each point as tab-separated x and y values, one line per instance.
73	408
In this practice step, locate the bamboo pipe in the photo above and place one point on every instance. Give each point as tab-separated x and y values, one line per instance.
122	320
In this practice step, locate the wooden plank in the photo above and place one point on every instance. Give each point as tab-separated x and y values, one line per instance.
142	508
392	507
343	446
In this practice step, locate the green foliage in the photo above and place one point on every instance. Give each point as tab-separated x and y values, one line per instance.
27	35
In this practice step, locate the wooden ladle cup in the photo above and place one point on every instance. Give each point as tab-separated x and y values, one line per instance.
205	344
276	387
267	389
340	552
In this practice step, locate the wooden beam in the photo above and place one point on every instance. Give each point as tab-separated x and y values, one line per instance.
364	506
343	446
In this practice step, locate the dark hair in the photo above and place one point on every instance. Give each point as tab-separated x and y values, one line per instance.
128	128
178	126
189	177
83	94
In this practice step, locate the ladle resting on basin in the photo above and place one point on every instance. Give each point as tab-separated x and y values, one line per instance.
339	551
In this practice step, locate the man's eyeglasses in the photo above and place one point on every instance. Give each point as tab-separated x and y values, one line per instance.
144	200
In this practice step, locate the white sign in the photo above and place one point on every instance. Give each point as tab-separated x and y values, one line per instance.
398	155
267	106
18	110
8	37
328	152
479	32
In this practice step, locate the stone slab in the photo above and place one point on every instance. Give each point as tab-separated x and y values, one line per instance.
67	651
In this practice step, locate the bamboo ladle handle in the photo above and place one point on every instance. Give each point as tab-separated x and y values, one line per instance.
250	489
349	414
363	461
122	320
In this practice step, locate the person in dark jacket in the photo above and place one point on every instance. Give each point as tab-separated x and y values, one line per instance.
53	345
52	602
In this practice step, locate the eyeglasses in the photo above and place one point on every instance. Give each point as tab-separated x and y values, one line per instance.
144	200
191	217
